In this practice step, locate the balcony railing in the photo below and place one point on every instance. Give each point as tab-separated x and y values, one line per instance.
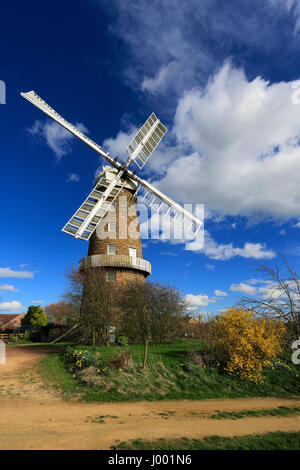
120	261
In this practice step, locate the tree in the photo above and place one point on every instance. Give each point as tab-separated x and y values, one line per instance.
92	299
35	316
60	312
150	312
135	320
279	299
166	308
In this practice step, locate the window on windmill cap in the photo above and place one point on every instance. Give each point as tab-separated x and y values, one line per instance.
112	249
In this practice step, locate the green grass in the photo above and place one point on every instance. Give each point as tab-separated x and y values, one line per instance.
270	441
163	379
54	374
169	354
28	344
280	411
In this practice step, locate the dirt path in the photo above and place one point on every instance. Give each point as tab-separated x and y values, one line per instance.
32	417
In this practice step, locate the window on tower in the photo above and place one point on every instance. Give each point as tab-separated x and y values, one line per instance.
132	252
112	207
111	275
111	249
112	226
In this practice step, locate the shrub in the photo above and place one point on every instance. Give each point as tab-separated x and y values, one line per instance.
247	344
14	339
35	316
122	359
80	358
207	352
123	340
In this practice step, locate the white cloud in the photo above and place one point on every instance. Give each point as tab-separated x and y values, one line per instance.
242	287
174	46
196	301
38	302
243	137
8	287
117	146
297	225
7	272
220	293
292	7
163	78
238	141
73	177
55	136
12	306
221	251
210	267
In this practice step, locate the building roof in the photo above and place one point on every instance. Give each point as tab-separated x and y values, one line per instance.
10	320
6	317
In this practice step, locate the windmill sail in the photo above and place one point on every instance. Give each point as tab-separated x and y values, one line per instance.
164	205
33	98
145	141
91	212
89	215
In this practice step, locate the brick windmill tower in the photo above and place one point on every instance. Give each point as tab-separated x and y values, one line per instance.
116	245
120	256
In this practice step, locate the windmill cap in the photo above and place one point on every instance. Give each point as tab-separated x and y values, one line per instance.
110	172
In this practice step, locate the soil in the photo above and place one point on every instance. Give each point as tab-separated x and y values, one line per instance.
36	417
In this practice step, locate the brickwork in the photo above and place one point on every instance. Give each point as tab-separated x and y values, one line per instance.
126	236
127	229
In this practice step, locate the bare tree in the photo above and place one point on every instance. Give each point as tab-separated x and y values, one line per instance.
60	313
135	321
279	299
166	307
93	300
150	312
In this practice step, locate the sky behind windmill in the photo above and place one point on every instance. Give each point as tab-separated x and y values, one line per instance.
222	76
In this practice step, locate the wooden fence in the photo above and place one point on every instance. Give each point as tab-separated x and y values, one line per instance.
7	336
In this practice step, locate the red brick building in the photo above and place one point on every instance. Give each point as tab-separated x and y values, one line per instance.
10	321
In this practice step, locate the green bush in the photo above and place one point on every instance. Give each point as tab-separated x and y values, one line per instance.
35	316
123	340
80	358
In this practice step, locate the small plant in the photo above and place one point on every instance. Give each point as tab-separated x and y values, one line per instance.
122	359
123	340
80	358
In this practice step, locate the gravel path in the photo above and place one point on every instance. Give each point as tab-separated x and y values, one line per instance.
33	417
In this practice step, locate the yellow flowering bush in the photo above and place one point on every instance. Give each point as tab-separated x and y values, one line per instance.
247	344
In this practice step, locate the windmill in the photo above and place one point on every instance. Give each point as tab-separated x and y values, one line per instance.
114	181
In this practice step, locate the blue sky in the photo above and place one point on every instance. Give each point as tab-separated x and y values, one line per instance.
222	76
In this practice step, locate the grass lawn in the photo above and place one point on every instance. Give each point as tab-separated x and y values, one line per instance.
168	354
270	441
280	411
164	378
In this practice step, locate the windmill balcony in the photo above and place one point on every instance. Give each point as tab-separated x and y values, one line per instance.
115	261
